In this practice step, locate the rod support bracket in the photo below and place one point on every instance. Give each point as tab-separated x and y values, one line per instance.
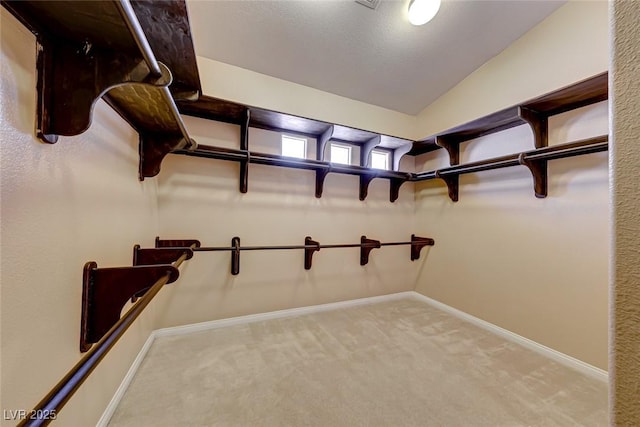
185	243
365	250
453	184
105	291
308	252
538	169
235	256
417	243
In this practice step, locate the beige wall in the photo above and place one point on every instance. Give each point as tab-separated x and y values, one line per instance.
62	205
625	204
259	90
570	45
199	198
537	267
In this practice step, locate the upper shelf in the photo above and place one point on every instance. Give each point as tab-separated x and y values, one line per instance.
138	56
231	112
577	95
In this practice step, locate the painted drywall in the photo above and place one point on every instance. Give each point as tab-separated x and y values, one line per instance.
537	267
569	46
61	205
199	198
625	204
226	81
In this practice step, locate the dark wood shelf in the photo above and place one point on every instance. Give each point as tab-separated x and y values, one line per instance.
577	95
138	55
231	112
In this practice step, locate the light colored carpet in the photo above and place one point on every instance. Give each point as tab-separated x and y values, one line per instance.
396	363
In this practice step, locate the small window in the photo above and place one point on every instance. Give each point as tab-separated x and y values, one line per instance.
340	154
294	147
380	159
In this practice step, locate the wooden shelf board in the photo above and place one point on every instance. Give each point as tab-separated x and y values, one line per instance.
577	95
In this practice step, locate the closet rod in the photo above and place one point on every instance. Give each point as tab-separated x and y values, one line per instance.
131	20
53	402
231	154
288	247
577	148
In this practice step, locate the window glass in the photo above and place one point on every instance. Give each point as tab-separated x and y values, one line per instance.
380	159
340	154
294	147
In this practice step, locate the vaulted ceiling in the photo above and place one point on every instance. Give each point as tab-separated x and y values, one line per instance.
374	56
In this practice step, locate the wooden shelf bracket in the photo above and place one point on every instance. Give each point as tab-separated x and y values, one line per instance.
71	78
538	169
366	250
323	139
366	148
417	243
538	123
105	292
308	251
235	256
244	145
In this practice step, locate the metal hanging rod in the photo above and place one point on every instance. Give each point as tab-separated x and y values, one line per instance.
310	246
136	31
288	162
321	168
48	408
292	247
132	23
585	146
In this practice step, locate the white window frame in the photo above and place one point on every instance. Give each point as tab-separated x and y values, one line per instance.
387	158
344	146
293	138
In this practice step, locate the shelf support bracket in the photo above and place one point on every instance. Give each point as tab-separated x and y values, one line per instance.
538	169
308	252
365	180
417	243
153	148
398	153
323	139
72	78
539	125
244	145
365	150
105	292
453	185
452	147
365	250
321	174
235	256
394	188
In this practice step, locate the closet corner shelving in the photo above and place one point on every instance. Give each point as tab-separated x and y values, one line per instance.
139	57
535	113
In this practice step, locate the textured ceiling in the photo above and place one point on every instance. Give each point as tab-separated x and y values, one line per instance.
374	56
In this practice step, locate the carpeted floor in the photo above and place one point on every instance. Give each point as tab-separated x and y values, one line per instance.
396	363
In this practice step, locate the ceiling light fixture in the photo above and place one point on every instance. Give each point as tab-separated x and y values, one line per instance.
423	11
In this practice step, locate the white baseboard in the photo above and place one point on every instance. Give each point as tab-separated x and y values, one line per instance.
291	312
555	355
559	357
115	400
